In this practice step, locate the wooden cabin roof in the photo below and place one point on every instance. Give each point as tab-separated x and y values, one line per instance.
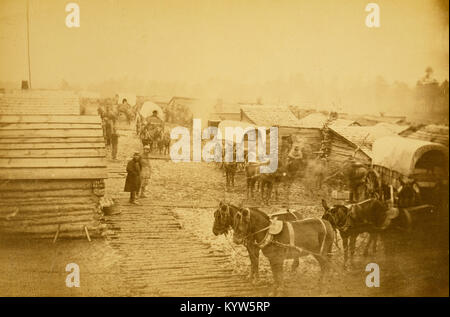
51	102
431	133
362	136
317	120
270	115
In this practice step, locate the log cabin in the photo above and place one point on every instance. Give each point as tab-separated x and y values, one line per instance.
52	166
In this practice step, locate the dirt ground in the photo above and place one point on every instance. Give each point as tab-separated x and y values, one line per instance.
166	247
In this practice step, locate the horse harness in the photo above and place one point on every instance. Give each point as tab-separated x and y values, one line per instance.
276	227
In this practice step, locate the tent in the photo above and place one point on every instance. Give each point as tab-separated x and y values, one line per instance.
147	109
131	98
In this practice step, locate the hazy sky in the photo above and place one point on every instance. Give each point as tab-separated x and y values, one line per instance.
240	40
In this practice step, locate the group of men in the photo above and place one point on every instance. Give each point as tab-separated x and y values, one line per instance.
138	175
151	129
109	124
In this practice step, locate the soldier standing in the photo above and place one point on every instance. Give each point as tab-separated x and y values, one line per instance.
133	180
146	171
114	142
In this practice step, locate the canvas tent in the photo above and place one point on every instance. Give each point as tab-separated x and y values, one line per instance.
131	98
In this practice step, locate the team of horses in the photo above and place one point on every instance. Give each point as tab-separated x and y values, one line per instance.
265	183
157	138
288	235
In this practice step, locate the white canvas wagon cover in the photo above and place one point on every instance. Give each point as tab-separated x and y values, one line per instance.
402	154
147	109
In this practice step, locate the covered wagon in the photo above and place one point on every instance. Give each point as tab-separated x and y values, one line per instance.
399	159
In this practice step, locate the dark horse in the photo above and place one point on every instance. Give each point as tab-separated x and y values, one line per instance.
307	236
285	174
223	222
230	171
367	216
252	175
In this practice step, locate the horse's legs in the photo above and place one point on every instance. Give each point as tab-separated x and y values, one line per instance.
375	240
276	264
262	185
352	247
373	237
253	253
275	187
269	192
248	187
295	255
367	246
288	192
323	267
345	247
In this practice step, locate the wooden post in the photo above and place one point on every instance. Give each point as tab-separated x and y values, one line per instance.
28	43
56	234
87	233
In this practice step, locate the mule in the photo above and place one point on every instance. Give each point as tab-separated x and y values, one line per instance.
284	175
164	142
312	236
352	220
223	223
408	195
230	171
252	175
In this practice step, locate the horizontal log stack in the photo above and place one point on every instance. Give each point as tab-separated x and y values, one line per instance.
52	169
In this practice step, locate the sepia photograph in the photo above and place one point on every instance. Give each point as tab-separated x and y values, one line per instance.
250	149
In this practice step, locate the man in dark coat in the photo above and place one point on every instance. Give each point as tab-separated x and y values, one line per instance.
133	181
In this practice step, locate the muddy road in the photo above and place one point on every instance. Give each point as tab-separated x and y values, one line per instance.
165	247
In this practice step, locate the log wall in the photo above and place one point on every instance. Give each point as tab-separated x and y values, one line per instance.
39	207
52	166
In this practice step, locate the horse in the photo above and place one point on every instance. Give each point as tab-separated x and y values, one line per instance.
223	223
230	171
408	194
285	174
312	236
367	216
164	142
315	172
252	175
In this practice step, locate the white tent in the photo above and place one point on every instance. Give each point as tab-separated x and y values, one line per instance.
147	109
131	98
